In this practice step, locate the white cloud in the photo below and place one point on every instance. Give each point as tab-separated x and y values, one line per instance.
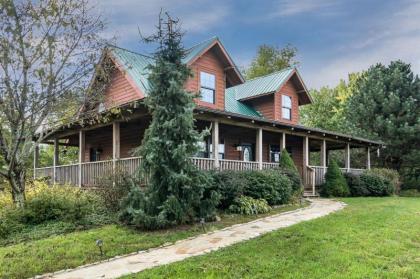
386	39
295	7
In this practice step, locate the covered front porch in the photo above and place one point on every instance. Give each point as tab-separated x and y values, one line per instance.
238	145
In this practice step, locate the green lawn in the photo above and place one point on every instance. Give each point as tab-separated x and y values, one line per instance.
70	250
370	238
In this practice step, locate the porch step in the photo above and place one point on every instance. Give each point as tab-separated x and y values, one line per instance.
308	194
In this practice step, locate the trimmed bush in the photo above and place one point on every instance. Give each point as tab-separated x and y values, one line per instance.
376	185
230	185
271	185
249	206
335	184
388	174
369	184
356	187
286	162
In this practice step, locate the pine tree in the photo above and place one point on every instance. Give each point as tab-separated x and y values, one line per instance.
176	187
386	106
335	184
286	161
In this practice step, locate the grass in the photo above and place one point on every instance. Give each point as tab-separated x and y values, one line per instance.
71	250
370	238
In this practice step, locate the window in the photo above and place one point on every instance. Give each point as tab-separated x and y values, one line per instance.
286	110
221	149
95	154
274	153
207	87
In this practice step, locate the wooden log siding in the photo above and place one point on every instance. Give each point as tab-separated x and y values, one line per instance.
289	89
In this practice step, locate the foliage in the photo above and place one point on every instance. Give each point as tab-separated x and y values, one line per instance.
271	59
370	183
114	188
328	110
391	175
389	97
230	185
335	184
249	206
369	233
47	51
67	155
410	178
286	161
276	186
376	184
52	203
270	185
176	187
356	187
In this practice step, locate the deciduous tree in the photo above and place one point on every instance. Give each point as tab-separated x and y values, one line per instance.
48	49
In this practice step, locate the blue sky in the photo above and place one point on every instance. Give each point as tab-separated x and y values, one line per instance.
333	38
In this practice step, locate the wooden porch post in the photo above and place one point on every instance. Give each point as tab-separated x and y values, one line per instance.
324	154
55	159
308	176
36	158
368	158
82	138
259	147
347	157
115	144
215	144
283	141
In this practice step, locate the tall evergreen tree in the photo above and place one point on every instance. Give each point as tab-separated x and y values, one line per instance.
386	105
176	187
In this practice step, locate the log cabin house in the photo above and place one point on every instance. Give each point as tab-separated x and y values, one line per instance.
251	121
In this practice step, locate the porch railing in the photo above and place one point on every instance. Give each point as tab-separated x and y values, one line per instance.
92	173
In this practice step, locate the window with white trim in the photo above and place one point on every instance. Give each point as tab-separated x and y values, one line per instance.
207	87
286	107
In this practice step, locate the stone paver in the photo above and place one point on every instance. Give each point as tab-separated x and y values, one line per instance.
199	245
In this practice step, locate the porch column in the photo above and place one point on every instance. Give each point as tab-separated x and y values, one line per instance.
305	152
215	143
283	141
55	159
308	177
36	158
368	158
259	147
324	157
82	138
347	157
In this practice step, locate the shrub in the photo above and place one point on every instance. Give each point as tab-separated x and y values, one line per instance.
294	177
230	185
356	187
249	206
376	185
391	175
113	189
62	203
286	161
410	178
335	184
137	205
270	185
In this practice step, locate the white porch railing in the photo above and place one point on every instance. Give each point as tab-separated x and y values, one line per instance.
92	173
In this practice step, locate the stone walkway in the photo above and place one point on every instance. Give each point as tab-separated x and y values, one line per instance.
133	263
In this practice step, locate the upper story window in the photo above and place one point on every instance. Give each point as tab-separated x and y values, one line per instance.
207	87
286	107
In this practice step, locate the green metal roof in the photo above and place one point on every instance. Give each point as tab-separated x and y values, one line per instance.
261	85
235	106
135	65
